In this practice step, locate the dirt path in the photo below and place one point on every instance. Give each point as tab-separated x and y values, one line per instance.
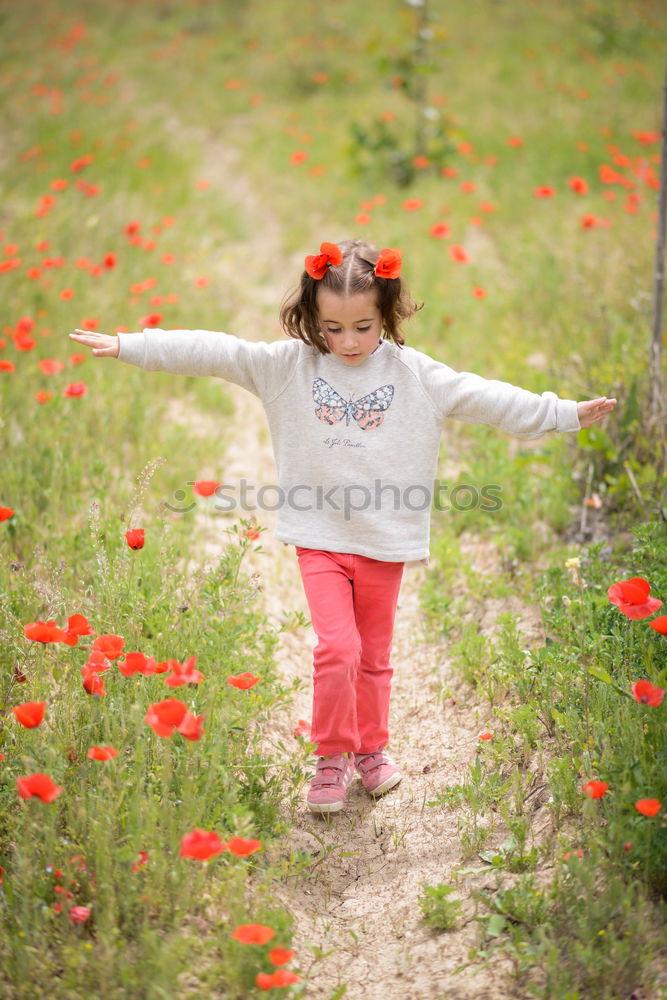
358	903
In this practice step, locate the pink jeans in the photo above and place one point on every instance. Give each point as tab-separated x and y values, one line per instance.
352	601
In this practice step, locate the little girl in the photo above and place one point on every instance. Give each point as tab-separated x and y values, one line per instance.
355	420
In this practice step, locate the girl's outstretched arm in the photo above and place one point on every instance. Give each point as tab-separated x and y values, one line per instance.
262	368
592	410
103	345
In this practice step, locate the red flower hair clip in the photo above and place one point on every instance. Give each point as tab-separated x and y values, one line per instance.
329	255
389	264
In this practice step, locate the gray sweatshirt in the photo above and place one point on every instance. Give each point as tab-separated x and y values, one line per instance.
356	448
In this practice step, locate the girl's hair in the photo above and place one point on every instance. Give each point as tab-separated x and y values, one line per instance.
299	316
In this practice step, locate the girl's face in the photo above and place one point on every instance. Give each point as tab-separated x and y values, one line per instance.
351	324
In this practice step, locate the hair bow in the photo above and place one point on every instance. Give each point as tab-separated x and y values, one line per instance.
329	255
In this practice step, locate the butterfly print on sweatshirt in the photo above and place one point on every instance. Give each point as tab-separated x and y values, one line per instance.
368	411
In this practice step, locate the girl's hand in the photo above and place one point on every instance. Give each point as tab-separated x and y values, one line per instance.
592	410
102	344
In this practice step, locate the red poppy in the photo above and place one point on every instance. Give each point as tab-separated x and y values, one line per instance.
281	956
96	663
457	253
648	807
51	366
412	204
544	192
281	977
573	854
632	598
142	860
515	140
6	513
190	726
67	293
163	667
302	728
92	681
40	785
595	789
135	538
30	713
362	218
589	221
201	844
78	625
647	694
253	933
242	847
7	366
75	389
81	162
467	186
485	736
479	293
329	254
79	914
110	645
439	230
43	397
205	487
164	716
40	631
659	623
137	663
101	753
252	534
244	681
389	263
578	185
184	673
298	156
152	320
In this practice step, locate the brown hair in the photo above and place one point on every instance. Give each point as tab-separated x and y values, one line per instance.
299	316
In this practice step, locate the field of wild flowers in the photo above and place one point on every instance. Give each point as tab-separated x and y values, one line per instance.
155	154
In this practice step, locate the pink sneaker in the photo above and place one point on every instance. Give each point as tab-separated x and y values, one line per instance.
377	771
328	789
